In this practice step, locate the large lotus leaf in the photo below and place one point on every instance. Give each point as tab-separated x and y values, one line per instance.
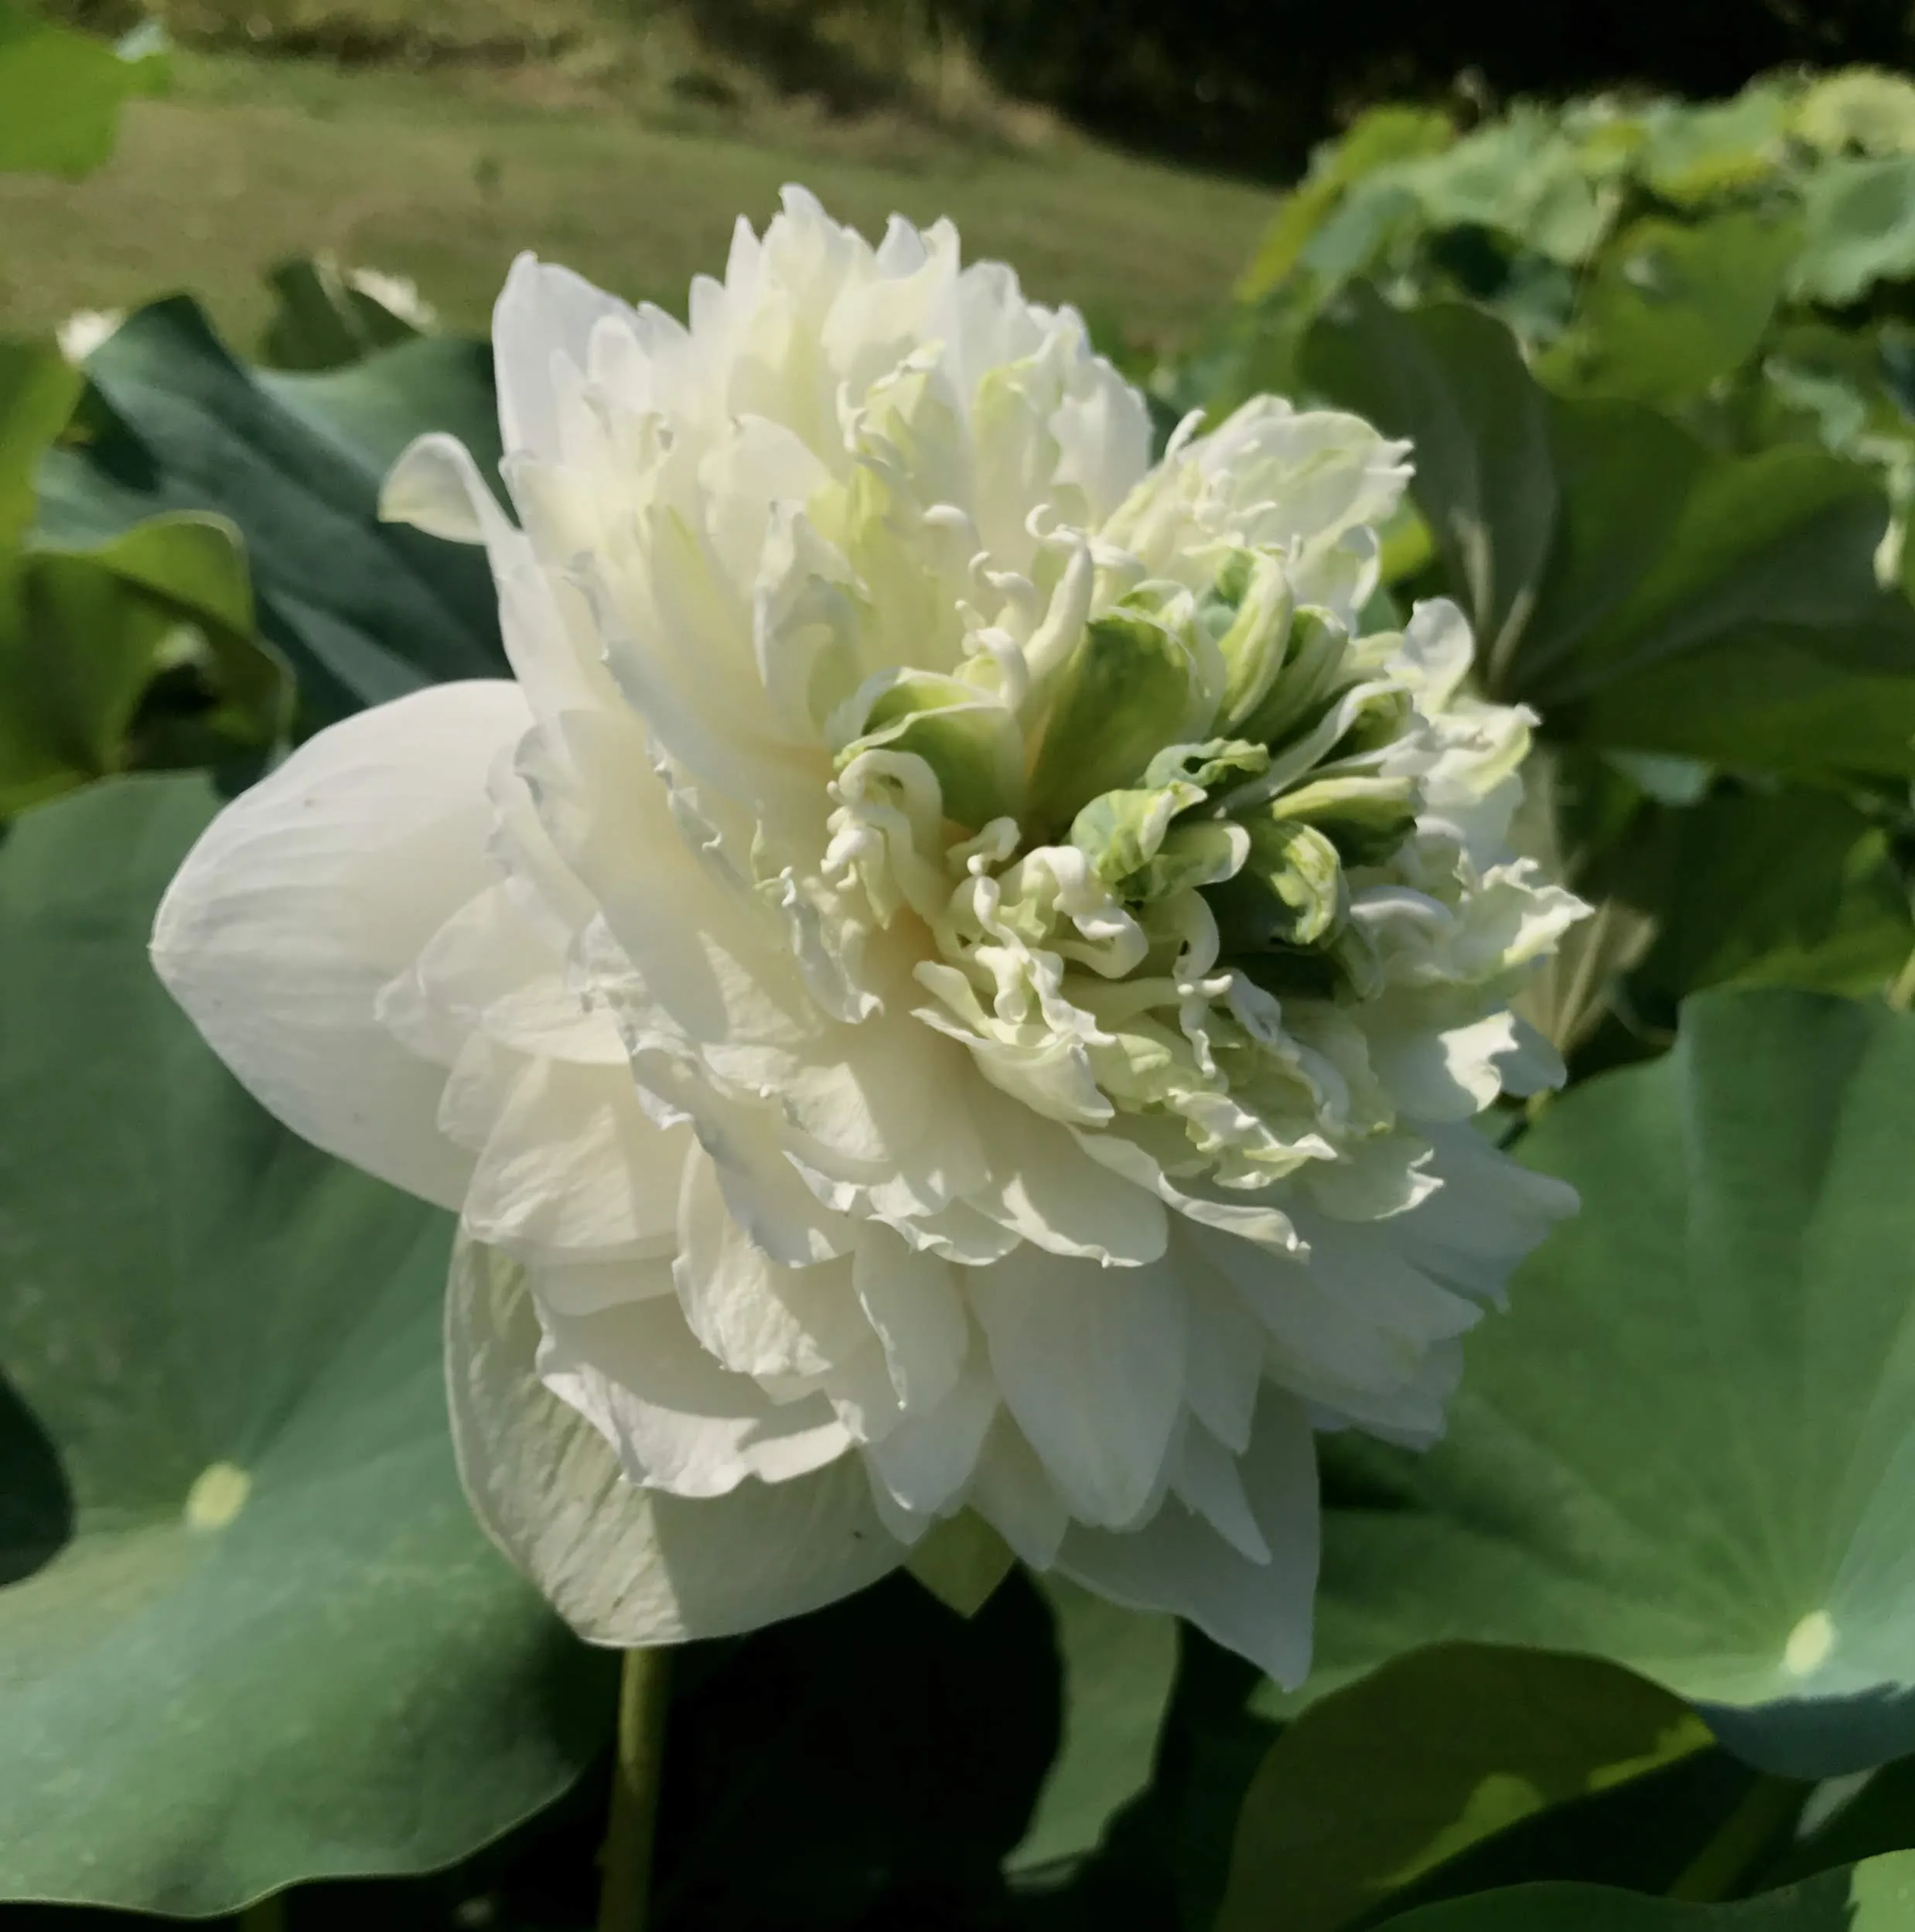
1862	107
1745	625
1372	1789
1860	217
1836	385
258	1638
1485	479
1671	308
1695	153
61	92
37	393
362	611
1644	592
140	654
321	321
1876	1895
1690	1447
1521	177
1848	1825
1119	1668
1792	888
1378	137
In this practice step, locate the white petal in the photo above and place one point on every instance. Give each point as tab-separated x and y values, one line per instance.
1047	1185
1227	1353
435	486
925	1461
678	1421
312	891
492	969
766	1195
586	1287
913	1302
754	1313
574	1166
1090	1363
1011	1490
1348	1328
1449	1076
541	331
623	1565
715	973
1205	1475
1178	1562
1487	1215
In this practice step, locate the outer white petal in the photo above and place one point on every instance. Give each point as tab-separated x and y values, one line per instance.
1206	1476
1487	1215
1227	1352
542	338
678	1421
625	1566
923	1464
1051	1185
1445	1076
312	891
1178	1562
1012	1491
1090	1363
436	487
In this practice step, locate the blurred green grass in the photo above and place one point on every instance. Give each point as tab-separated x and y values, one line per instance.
444	172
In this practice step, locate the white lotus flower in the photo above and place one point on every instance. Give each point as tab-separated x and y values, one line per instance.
397	295
957	977
86	330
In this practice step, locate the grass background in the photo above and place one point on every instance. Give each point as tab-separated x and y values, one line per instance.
628	158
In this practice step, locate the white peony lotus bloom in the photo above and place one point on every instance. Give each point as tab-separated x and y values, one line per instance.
956	976
85	330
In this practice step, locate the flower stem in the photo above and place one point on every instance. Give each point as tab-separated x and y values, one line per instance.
626	1862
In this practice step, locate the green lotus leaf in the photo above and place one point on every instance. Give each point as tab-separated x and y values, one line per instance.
1645	592
362	611
1860	217
1690	1447
1671	308
249	1633
1118	1667
61	92
1694	155
140	654
1862	107
1876	1895
1378	138
1393	1777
